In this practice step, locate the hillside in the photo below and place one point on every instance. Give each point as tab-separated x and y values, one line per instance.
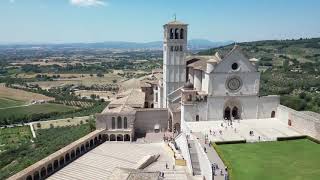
290	68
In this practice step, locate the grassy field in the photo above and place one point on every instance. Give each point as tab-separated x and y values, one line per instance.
7	102
33	109
284	160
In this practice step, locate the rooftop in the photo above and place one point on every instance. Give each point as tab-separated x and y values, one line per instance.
134	98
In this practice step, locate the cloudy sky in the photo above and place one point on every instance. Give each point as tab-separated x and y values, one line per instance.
57	21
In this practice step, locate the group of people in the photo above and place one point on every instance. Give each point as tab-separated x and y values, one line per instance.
215	168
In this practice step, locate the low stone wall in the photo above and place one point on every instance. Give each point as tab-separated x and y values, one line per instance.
146	119
301	122
49	165
182	143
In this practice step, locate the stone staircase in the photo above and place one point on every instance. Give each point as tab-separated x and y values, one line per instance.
175	175
194	158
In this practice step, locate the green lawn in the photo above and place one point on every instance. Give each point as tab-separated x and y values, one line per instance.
7	102
283	160
23	112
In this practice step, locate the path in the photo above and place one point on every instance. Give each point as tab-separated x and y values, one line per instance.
212	156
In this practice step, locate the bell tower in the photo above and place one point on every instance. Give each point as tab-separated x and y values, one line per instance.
174	52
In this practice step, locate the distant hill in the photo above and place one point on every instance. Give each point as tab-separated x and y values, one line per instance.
194	44
275	52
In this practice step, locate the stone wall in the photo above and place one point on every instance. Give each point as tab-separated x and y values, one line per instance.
59	159
266	105
300	121
146	119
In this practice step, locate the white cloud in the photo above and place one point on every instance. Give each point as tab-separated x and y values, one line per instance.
88	2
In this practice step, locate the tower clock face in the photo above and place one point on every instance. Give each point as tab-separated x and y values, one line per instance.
234	84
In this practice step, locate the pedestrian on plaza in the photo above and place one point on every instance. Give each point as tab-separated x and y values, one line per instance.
226	175
213	167
205	149
221	172
173	167
259	138
166	165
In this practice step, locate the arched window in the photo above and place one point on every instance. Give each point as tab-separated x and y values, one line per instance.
181	33
273	114
43	172
113	123
36	175
29	177
176	33
49	169
197	117
171	33
55	165
125	123
119	124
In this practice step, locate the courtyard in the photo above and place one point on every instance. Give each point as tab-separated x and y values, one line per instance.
279	160
263	130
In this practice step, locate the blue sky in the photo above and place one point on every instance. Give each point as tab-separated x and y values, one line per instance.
58	21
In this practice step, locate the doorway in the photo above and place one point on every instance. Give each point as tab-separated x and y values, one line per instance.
226	114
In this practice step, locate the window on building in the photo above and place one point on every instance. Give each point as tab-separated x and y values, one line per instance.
176	33
113	122
180	48
125	123
119	124
197	117
171	33
181	33
171	48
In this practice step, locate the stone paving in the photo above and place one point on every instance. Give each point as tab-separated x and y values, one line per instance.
101	161
267	129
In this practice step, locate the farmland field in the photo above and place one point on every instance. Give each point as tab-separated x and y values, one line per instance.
293	159
20	95
79	79
17	112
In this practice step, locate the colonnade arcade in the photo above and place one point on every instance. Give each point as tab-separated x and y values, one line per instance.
113	136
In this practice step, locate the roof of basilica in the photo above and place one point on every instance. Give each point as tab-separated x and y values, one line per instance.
200	62
134	98
124	109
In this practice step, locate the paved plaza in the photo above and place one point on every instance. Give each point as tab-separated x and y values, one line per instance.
266	129
100	162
